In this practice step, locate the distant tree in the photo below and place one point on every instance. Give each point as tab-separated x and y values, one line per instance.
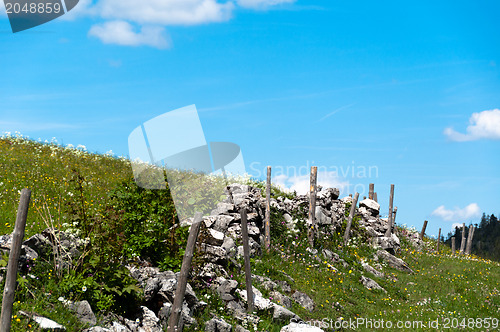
484	221
486	241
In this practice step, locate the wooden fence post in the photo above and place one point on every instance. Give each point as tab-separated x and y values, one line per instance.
439	240
15	251
371	190
462	245
375	197
469	240
423	230
180	291
312	205
351	215
394	215
389	217
453	245
268	210
246	254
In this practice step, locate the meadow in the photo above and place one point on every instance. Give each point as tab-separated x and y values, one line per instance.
94	195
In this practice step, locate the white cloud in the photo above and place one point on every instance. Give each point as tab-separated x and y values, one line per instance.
300	183
483	125
262	3
456	214
154	15
122	33
456	225
166	12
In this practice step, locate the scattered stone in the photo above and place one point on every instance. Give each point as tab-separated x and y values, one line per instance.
84	312
43	322
371	284
284	286
282	314
240	328
96	329
304	300
368	268
393	261
217	325
259	301
281	299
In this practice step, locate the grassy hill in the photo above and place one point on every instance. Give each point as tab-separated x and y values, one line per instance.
76	190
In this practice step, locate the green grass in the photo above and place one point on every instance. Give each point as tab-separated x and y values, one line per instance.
442	287
51	172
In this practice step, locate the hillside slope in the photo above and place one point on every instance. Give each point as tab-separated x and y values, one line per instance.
458	292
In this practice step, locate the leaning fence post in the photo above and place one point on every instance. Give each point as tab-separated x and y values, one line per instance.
268	210
370	191
389	218
423	230
375	197
246	254
312	205
453	245
439	240
351	215
173	320
469	240
462	245
15	251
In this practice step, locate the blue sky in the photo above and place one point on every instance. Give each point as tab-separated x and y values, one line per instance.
408	91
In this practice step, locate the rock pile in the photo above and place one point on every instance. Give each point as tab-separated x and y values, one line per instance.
220	246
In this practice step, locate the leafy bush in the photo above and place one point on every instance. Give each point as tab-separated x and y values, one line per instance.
149	225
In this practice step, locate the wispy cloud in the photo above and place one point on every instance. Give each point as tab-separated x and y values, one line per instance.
483	125
336	111
457	214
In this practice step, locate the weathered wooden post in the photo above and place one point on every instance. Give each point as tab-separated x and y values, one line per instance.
246	254
180	291
268	210
469	240
351	215
394	215
462	245
423	230
15	251
453	245
375	197
312	205
389	217
439	240
371	190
